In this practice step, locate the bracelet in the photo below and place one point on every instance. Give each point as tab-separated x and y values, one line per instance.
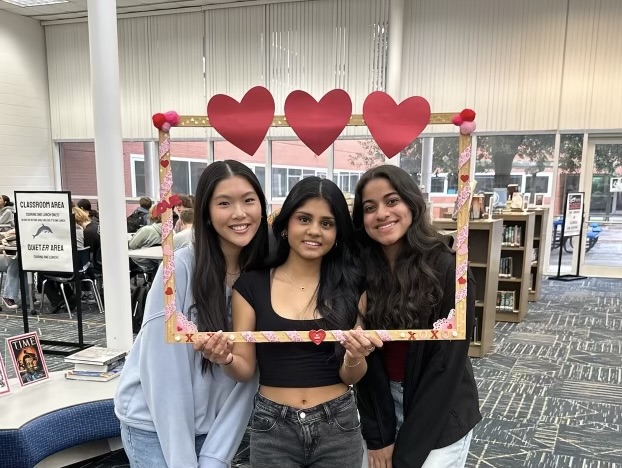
228	363
353	365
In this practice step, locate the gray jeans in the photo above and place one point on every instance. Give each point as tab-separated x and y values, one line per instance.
325	436
11	281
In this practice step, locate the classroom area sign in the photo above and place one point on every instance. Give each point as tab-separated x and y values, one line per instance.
44	223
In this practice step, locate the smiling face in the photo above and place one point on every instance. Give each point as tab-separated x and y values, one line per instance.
235	213
311	229
386	216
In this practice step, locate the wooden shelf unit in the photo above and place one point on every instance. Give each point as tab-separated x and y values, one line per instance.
540	238
484	254
521	264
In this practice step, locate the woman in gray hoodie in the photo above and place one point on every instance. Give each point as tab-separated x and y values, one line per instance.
6	212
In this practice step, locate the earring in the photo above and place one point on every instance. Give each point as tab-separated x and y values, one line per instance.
209	223
284	234
336	243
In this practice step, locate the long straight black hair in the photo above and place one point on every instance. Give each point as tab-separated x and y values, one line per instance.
341	280
208	281
406	296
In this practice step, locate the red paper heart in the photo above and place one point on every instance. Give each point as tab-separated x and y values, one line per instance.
174	200
318	124
395	126
161	207
244	124
464	178
461	280
168	291
317	336
164	163
179	328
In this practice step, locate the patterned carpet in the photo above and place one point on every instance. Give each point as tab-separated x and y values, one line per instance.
551	389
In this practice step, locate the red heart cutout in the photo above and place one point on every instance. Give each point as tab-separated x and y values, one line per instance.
161	207
317	336
461	280
179	328
244	124
164	163
464	178
168	291
174	200
395	126
318	124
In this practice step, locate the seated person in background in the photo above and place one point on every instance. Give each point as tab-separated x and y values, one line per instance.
6	211
147	236
92	240
86	206
11	282
52	288
187	203
140	216
186	234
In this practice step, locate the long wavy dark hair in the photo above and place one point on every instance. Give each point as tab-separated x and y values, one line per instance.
341	279
405	296
210	267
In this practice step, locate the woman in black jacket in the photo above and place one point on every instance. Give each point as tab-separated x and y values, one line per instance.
418	401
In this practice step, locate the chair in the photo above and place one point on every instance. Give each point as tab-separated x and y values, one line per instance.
84	259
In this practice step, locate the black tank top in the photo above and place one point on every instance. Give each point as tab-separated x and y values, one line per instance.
287	365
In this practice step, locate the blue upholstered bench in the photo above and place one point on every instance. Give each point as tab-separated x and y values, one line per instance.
39	421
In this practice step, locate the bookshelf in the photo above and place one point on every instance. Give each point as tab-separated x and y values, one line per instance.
541	232
516	255
484	253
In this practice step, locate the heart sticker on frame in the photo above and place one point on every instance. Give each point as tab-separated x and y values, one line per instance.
395	126
244	124
318	124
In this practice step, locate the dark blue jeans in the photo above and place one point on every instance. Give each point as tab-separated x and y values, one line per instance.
325	436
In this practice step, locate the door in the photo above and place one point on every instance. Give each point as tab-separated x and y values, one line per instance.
602	230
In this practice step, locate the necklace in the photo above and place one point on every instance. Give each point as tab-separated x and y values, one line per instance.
302	288
233	274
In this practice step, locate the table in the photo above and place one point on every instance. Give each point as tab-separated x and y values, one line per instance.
54	413
153	253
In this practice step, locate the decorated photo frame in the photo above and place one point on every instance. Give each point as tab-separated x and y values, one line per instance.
245	124
4	379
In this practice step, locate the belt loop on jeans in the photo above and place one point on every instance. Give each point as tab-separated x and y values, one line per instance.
329	415
283	414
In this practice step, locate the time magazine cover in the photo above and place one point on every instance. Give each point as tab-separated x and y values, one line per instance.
27	357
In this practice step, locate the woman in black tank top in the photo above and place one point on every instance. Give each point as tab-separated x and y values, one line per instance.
305	412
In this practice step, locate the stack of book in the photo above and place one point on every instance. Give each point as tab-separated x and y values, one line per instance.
96	364
505	267
512	236
506	301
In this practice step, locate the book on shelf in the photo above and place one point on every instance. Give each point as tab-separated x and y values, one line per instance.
506	301
512	236
94	376
475	337
534	254
99	368
505	267
96	355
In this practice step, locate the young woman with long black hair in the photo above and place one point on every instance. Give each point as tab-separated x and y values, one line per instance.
418	400
176	408
305	412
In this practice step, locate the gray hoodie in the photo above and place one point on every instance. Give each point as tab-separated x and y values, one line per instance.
162	388
6	216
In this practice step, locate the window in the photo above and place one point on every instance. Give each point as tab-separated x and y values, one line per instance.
347	180
186	175
486	182
541	185
437	185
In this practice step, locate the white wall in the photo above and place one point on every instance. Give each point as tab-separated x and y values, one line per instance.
26	161
527	65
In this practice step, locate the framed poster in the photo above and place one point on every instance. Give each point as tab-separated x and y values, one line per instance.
4	380
45	231
574	214
27	357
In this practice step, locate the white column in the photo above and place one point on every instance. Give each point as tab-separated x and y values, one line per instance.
152	179
394	60
427	154
104	54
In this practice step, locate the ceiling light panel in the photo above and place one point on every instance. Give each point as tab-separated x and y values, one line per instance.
33	3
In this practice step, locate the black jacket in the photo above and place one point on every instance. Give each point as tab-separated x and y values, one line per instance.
441	403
